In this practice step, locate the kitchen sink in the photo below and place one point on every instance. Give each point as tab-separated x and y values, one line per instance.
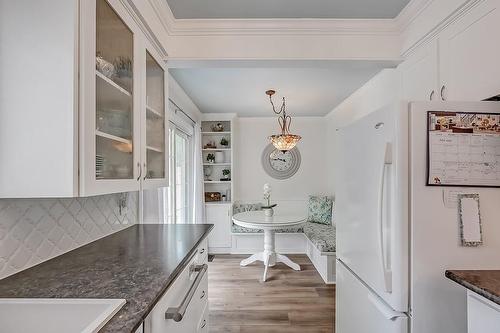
56	315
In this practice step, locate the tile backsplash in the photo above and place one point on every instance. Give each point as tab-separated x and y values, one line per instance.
34	230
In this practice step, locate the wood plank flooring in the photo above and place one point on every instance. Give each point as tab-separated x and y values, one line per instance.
290	301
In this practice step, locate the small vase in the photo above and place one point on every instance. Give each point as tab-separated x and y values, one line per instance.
268	212
219	157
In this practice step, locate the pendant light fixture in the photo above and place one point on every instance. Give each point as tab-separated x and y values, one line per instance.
284	141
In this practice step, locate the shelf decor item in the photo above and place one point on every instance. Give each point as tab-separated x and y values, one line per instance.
284	141
225	175
212	196
219	157
217	127
123	68
210	145
224	142
103	66
207	171
211	158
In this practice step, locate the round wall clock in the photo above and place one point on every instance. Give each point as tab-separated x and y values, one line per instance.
280	165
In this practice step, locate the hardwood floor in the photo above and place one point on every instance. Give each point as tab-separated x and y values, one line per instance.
290	301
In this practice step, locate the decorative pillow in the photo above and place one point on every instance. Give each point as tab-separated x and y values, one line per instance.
320	209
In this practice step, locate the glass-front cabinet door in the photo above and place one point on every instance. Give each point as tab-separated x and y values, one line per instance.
111	114
154	152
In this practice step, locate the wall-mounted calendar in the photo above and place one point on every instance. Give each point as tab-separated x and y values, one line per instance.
463	149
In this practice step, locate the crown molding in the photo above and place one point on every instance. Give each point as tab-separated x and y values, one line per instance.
299	27
209	27
144	26
204	27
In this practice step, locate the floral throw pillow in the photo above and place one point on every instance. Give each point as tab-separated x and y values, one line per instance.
320	209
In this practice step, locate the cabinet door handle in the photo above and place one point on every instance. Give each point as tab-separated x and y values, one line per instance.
442	93
431	96
202	251
202	294
204	323
178	313
140	170
145	172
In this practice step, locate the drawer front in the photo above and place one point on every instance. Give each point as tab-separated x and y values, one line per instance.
156	322
202	254
203	324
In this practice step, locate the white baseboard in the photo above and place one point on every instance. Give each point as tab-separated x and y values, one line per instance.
219	250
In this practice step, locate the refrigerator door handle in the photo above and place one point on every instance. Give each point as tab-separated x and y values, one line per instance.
385	266
386	311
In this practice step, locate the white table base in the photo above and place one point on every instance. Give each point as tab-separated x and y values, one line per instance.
269	256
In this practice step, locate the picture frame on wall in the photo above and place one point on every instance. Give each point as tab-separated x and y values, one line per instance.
471	230
463	149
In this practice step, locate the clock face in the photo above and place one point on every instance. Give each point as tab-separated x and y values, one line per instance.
280	165
280	161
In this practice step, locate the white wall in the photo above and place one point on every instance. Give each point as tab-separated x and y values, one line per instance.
179	96
251	138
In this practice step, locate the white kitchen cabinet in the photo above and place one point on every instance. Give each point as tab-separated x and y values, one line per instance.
219	214
469	55
123	136
419	74
483	316
190	288
154	122
74	118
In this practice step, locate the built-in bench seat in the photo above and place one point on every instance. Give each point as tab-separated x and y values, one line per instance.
322	236
319	242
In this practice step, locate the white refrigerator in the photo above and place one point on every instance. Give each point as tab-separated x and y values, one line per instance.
395	236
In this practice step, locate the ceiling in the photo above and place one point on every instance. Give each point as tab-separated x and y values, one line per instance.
263	9
313	91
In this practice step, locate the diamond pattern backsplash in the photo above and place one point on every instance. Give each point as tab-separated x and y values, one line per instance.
35	230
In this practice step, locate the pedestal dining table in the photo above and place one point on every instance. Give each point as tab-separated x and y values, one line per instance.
258	220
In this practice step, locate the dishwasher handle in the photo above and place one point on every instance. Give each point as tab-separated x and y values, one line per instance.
177	313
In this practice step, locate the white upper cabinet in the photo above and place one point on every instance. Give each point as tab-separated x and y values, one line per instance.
38	99
111	99
154	121
419	72
91	118
469	54
460	62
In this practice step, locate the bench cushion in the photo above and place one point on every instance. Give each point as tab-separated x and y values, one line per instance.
322	236
237	230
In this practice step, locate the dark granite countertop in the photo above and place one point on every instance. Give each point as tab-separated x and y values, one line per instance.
137	264
485	282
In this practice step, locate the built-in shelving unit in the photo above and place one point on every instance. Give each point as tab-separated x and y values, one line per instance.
217	149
